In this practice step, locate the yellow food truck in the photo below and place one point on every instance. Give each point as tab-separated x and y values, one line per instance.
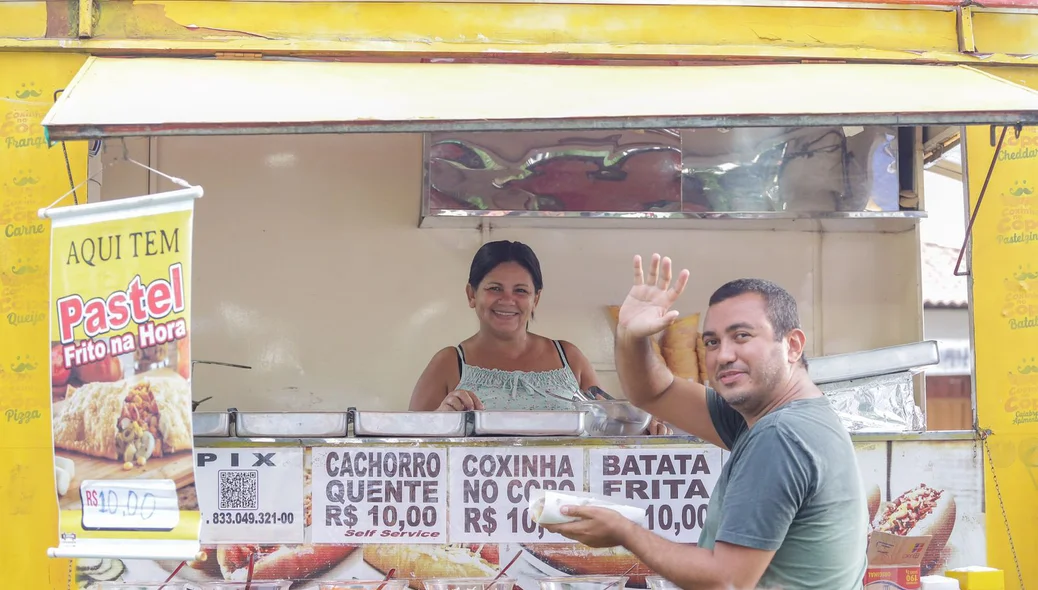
355	154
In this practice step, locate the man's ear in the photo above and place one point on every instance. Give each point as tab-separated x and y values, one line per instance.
796	340
470	293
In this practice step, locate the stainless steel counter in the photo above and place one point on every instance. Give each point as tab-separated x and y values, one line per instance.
533	441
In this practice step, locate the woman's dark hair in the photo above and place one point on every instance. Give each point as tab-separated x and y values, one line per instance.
492	254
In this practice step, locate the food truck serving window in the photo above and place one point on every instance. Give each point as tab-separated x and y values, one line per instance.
171	96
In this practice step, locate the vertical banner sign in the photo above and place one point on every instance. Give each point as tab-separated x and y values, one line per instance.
673	486
1004	269
120	377
380	495
490	491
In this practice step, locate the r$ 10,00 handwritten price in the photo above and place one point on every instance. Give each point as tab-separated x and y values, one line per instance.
130	504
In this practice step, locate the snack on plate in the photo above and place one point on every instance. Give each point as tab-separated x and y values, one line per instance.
308	487
205	561
679	349
105	370
91	573
422	562
279	562
921	511
581	560
308	498
129	422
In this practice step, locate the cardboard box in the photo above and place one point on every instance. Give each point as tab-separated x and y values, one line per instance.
894	562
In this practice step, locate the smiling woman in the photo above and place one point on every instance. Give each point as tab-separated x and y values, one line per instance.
504	366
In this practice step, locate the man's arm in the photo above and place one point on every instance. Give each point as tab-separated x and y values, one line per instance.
727	567
650	385
774	477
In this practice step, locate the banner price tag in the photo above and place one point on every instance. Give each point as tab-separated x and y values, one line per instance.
130	504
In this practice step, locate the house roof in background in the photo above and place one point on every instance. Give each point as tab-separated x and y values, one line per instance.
941	288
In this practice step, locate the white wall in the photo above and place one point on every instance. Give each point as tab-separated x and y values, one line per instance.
309	267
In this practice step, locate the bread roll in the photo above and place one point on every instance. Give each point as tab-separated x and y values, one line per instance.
679	348
614	315
701	354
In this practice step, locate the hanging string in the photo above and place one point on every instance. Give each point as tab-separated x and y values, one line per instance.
62	197
93	177
173	179
68	165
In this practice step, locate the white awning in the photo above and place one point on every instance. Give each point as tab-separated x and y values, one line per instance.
180	96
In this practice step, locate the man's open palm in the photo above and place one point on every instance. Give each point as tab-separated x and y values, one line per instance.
646	310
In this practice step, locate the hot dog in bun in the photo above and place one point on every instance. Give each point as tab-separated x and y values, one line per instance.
420	562
581	560
279	562
921	511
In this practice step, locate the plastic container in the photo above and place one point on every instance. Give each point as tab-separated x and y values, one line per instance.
470	584
614	418
584	583
938	583
395	584
661	583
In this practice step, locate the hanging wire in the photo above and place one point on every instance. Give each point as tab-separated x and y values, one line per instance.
93	177
68	165
173	179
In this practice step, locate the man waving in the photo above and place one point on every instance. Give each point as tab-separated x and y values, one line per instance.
788	511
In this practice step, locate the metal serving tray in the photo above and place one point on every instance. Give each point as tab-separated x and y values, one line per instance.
529	423
872	363
291	424
421	424
211	424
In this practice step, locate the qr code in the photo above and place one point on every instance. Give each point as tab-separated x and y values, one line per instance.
239	489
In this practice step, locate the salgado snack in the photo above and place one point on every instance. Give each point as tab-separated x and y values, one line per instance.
128	422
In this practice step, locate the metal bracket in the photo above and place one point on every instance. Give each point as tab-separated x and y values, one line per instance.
86	19
237	55
980	199
964	24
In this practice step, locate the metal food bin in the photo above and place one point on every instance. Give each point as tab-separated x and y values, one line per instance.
291	424
418	424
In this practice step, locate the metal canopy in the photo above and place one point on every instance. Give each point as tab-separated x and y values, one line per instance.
112	97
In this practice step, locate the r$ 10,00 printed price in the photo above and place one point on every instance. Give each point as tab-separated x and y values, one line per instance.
490	491
672	485
379	495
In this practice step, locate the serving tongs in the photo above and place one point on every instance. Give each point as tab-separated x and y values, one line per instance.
593	394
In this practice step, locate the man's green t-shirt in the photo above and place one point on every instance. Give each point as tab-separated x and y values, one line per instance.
791	485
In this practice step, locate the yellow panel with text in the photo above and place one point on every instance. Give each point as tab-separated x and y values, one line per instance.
32	175
1005	309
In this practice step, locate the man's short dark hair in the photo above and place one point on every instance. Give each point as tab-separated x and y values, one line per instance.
780	305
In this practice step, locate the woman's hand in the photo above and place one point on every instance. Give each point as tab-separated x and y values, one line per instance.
646	310
460	400
658	428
